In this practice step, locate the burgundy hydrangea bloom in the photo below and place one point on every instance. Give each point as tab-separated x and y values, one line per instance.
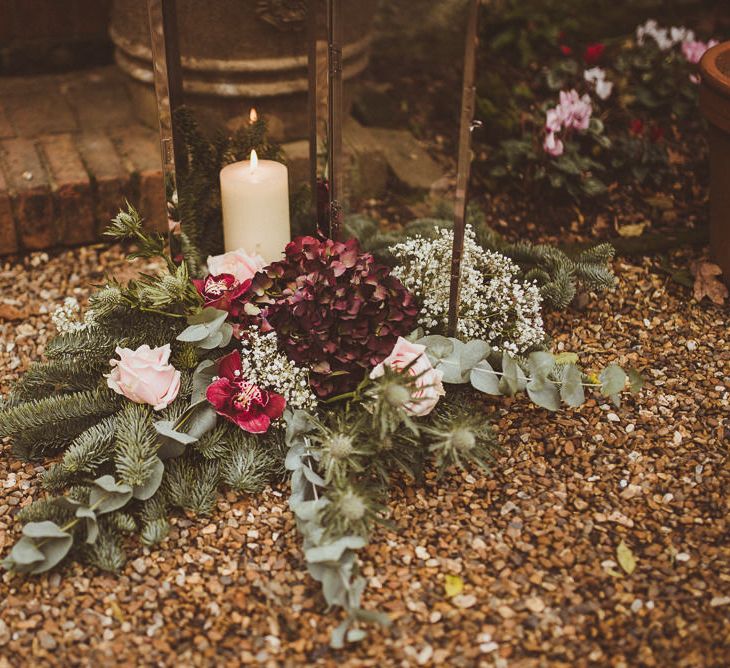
334	309
223	292
240	401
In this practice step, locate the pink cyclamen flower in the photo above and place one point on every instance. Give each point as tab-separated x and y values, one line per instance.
145	376
693	50
552	145
237	263
575	110
428	380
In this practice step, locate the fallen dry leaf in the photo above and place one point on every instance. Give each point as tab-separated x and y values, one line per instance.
626	558
453	585
706	282
631	230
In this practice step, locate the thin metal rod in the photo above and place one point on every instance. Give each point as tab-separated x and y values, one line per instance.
312	102
334	125
167	71
464	164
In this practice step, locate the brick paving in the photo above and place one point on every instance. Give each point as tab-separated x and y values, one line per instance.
71	152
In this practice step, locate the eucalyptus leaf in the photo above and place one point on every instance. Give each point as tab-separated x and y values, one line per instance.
152	484
484	378
636	381
48	539
613	380
24	554
333	551
202	420
373	616
356	635
512	374
337	639
571	389
202	378
44	529
166	428
451	366
472	353
107	495
212	317
92	527
437	347
544	393
333	587
313	477
540	363
193	334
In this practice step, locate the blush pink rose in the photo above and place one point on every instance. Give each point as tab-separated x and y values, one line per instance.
428	380
237	263
145	376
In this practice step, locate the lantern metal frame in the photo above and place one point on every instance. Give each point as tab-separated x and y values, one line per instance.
169	95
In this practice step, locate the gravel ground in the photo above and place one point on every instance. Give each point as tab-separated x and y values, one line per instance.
536	544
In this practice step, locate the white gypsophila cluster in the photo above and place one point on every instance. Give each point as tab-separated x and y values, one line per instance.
265	365
495	305
67	318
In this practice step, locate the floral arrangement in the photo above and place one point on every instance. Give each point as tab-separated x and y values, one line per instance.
326	365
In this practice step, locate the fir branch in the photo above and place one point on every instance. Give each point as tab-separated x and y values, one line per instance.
57	376
94	342
155	525
91	448
106	553
53	411
48	440
52	509
248	466
192	485
135	445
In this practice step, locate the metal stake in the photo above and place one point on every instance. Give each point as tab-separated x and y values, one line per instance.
334	125
167	71
464	164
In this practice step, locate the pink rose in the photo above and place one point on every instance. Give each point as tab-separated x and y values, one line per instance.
145	376
237	263
428	379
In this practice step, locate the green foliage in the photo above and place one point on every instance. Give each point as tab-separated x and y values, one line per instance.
249	464
191	483
106	553
135	444
59	376
50	413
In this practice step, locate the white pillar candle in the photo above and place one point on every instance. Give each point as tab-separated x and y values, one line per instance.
255	200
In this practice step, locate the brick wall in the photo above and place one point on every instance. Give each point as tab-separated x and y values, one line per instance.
71	152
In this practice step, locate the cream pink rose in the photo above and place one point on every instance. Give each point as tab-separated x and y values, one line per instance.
238	263
145	376
428	380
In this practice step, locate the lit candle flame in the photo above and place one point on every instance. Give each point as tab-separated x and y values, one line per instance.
254	162
253	116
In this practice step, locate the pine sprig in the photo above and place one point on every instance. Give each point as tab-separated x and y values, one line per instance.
91	448
59	376
55	410
135	445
